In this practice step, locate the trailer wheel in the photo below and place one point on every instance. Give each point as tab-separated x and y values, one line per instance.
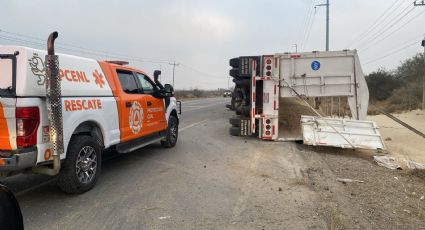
234	72
172	133
235	121
235	131
82	165
234	62
242	83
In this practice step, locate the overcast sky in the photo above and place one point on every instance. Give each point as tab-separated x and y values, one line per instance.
203	35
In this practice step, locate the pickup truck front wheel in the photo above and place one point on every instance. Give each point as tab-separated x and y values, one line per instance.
172	133
82	165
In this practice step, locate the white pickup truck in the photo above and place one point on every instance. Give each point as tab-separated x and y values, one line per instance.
57	114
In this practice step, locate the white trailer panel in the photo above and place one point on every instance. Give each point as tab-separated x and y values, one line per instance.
325	74
343	133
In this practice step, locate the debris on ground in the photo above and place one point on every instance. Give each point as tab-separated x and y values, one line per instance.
345	180
387	162
414	165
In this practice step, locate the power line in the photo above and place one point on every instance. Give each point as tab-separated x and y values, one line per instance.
11	36
389	25
392	52
200	72
84	49
308	24
306	20
391	20
377	22
394	31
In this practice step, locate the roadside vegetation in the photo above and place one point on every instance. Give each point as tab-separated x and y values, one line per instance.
400	89
198	93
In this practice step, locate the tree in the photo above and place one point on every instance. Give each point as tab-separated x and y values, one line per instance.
381	84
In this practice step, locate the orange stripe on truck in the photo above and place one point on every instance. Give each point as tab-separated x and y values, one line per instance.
4	131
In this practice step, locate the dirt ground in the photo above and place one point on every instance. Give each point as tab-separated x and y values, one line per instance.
211	180
387	199
402	143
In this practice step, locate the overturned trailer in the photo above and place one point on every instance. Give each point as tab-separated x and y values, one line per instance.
320	98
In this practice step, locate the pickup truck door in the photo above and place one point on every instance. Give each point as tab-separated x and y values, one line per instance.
155	120
132	107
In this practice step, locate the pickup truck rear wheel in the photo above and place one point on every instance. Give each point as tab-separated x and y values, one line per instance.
82	165
172	133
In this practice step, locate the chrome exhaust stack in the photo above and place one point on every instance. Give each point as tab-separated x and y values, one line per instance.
54	107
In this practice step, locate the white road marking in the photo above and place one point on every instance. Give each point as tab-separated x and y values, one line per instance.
201	107
192	125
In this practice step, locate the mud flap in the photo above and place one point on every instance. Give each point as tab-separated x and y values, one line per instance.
7	123
246	127
343	133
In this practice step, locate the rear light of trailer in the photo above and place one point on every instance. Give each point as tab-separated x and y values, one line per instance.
27	121
267	66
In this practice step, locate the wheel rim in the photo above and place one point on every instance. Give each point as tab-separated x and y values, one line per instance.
173	131
86	164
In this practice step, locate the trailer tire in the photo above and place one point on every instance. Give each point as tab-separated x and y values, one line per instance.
82	165
235	131
234	72
235	121
172	133
242	83
234	62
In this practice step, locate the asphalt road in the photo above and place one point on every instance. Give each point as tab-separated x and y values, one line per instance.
210	180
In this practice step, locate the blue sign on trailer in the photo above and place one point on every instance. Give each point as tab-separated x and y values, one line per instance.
315	65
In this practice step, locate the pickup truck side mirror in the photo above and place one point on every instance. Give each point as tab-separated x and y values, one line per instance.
169	90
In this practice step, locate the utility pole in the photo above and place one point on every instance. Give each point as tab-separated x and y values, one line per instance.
423	78
422	3
327	23
174	64
296	47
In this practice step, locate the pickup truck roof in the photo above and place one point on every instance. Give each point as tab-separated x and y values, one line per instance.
80	76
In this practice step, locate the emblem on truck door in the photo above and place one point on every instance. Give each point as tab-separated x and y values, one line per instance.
136	117
38	68
98	79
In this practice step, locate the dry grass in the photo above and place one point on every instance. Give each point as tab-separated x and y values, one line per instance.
198	93
333	220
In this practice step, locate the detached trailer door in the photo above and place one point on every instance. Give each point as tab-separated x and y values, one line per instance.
343	133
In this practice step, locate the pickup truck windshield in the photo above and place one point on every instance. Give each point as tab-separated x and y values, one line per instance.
6	77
